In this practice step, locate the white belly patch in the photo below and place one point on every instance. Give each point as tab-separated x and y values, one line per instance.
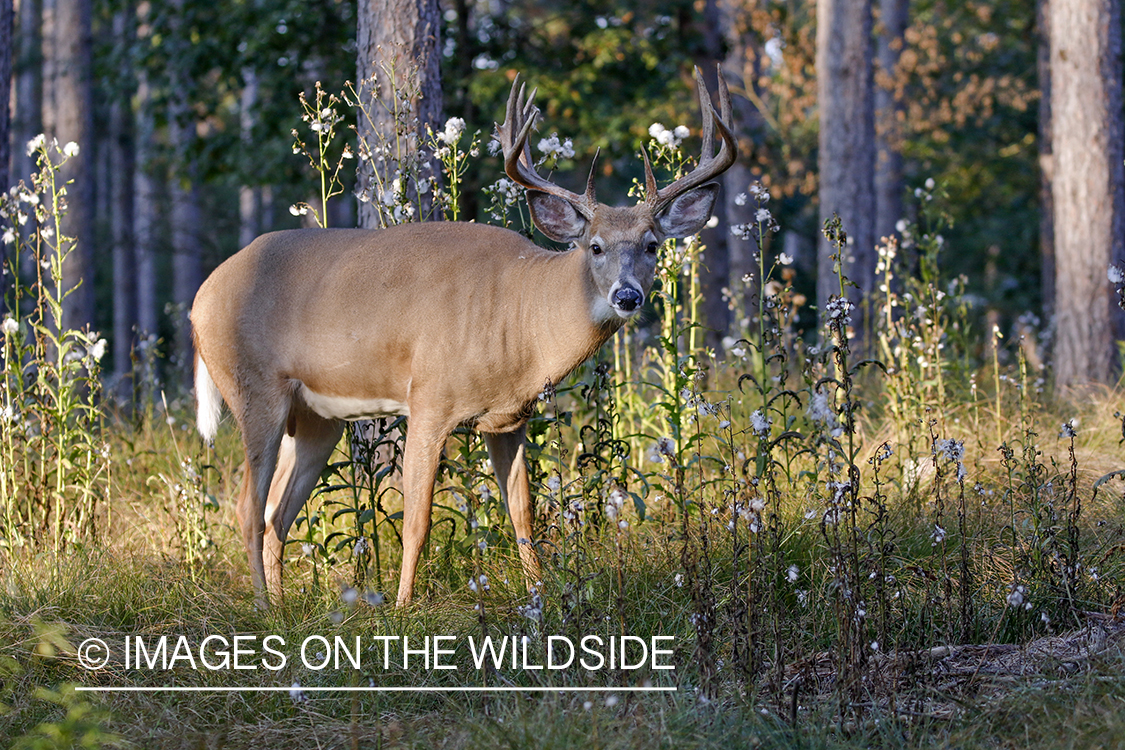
345	407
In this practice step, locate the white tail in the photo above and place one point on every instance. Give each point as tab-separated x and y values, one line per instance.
209	402
447	323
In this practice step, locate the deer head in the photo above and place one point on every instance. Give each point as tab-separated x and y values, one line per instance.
621	242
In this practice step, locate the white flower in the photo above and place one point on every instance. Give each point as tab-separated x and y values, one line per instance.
35	144
762	216
70	149
298	210
664	447
97	351
349	595
10	326
793	573
761	423
553	148
7	414
654	130
681	132
740	199
9	236
454	127
296	694
938	535
1115	275
785	259
1068	430
929	183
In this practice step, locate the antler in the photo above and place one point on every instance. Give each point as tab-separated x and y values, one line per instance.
710	164
519	119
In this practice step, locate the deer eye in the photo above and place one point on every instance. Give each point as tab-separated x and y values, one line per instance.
596	249
651	248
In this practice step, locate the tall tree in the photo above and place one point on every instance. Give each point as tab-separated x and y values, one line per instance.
845	90
889	108
1088	185
399	36
28	119
6	54
71	107
1046	158
121	213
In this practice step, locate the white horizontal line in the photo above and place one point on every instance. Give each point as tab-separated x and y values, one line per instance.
373	689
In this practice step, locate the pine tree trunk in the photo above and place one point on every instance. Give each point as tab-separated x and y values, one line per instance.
399	35
73	114
145	214
893	17
28	120
121	222
845	91
6	54
1046	159
1088	185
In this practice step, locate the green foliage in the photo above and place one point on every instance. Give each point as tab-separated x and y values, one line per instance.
53	460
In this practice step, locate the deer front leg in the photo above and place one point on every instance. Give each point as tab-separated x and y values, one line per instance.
506	449
424	442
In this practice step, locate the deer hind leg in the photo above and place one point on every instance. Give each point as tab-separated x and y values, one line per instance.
305	449
425	439
506	449
262	429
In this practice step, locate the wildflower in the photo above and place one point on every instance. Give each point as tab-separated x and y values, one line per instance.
97	351
785	259
681	132
930	183
35	144
820	410
740	199
373	598
454	127
679	580
1115	275
554	482
349	595
297	695
938	536
360	547
298	209
553	148
792	573
665	447
760	423
1018	596
759	193
9	236
7	414
1068	430
307	549
70	149
610	701
839	308
762	215
10	326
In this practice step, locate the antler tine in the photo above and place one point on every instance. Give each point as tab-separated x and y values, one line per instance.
519	119
710	165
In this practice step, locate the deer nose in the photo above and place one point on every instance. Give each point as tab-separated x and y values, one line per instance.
627	298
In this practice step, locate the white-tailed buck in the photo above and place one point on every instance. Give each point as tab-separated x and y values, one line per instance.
446	323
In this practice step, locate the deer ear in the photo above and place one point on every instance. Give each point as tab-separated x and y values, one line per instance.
557	218
688	213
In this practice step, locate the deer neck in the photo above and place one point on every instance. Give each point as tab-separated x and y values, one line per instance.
576	319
